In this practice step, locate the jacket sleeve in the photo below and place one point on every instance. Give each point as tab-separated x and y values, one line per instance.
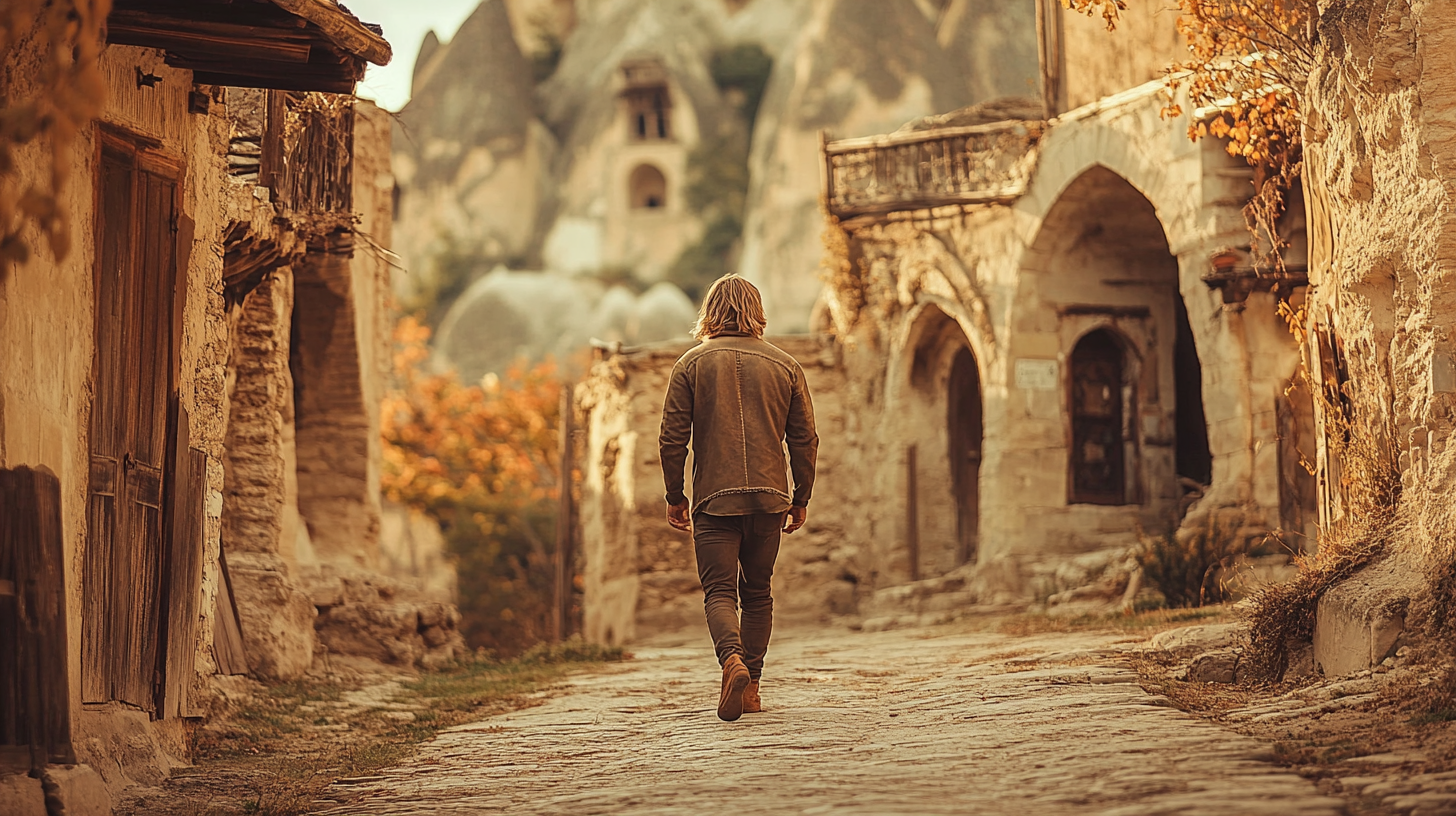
802	439
677	429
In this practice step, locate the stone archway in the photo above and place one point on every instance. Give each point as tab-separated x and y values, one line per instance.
1101	261
941	413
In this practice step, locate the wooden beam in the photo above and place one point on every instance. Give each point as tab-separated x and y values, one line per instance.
240	27
179	44
340	82
341	27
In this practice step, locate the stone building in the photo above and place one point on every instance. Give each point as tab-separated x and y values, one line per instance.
1047	336
121	418
306	283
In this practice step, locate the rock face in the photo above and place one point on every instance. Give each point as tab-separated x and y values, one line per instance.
1380	183
493	171
472	159
509	316
859	67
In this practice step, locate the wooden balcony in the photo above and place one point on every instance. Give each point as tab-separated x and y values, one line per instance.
978	164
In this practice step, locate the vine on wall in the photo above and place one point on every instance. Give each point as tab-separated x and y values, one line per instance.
67	91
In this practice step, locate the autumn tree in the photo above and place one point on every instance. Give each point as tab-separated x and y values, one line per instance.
481	459
1248	62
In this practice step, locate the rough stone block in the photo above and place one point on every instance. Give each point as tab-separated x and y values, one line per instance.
1358	623
75	790
1214	667
21	795
1195	639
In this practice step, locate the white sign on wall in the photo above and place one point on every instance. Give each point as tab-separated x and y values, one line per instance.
1036	375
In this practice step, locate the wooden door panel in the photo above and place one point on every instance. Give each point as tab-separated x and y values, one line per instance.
136	273
96	612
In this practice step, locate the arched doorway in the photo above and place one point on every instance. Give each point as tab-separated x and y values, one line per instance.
940	410
1102	261
647	188
1101	399
964	424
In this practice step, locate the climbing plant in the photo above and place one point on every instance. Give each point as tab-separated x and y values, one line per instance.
1247	65
480	459
56	45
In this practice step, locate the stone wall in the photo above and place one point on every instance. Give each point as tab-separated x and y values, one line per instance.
302	531
1380	181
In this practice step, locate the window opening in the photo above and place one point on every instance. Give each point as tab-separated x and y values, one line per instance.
647	188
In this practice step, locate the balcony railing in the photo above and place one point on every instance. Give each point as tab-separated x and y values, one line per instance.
979	164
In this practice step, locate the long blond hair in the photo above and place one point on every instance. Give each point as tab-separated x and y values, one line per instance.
732	304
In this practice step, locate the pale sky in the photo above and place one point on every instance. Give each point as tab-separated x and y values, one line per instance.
405	23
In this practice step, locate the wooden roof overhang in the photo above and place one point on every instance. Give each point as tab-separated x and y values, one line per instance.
286	45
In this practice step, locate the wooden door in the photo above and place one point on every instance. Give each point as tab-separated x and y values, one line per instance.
135	276
965	450
1097	456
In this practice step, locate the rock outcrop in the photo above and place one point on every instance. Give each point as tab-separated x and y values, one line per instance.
859	67
508	316
471	157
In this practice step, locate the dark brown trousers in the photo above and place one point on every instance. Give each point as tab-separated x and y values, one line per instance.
735	563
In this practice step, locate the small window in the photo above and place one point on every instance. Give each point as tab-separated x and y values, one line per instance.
649	111
647	188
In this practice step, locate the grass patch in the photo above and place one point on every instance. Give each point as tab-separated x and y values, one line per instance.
293	741
1190	567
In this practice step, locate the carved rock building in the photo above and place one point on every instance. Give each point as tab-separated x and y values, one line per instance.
1043	334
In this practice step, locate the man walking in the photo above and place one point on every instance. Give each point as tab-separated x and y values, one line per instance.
740	401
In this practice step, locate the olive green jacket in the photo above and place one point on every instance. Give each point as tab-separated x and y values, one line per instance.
739	400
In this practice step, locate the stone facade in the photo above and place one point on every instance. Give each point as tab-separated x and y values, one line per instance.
1031	357
48	349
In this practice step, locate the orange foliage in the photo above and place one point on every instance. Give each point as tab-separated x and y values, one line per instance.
480	459
450	444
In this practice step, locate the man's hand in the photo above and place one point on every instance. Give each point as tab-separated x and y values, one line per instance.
795	519
677	516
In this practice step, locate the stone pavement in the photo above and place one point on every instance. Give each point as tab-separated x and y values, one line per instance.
921	722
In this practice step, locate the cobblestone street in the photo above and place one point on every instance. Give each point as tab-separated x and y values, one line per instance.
920	721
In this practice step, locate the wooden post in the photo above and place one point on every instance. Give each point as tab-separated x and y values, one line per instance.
912	514
561	618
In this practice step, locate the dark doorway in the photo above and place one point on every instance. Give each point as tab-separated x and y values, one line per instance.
1194	461
1098	457
966	434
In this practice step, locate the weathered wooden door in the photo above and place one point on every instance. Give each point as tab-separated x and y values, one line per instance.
1097	460
135	276
965	450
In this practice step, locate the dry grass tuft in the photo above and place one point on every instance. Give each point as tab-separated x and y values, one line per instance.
1189	566
1283	614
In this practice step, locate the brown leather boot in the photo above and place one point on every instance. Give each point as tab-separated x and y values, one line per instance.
735	679
752	704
